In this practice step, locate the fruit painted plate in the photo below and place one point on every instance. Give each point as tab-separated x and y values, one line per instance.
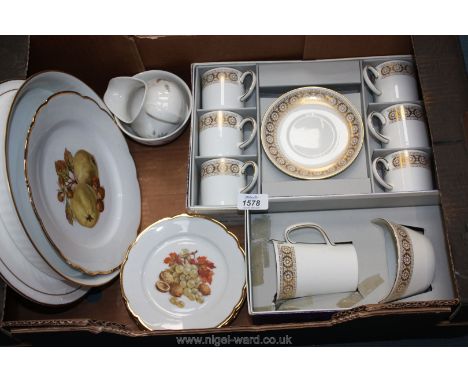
312	133
32	94
82	182
185	272
20	265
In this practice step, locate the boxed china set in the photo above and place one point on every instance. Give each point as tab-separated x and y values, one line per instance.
341	147
369	182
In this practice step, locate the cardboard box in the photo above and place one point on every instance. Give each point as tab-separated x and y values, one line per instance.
162	171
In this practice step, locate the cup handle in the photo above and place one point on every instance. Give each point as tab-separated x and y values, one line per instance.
249	187
377	176
250	139
379	136
294	227
249	92
368	81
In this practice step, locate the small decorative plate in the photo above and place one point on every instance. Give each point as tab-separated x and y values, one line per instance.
312	133
82	182
185	272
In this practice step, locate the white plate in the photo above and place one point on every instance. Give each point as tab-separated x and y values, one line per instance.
145	262
312	133
8	91
89	240
35	296
33	93
20	265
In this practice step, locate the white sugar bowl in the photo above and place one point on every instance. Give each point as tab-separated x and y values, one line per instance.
165	101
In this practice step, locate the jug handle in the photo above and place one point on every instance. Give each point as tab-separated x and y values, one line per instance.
294	227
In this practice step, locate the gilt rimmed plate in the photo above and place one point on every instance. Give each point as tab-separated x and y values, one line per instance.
33	93
312	133
82	182
189	255
20	265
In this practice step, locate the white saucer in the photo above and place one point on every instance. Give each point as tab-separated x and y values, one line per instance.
312	133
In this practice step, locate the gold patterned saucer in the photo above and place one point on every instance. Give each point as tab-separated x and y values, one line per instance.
312	133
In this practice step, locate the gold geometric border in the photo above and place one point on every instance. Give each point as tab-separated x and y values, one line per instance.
311	95
221	166
405	262
218	118
411	112
397	68
235	310
216	75
410	159
288	273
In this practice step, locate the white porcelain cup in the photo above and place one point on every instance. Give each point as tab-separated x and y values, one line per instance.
165	101
313	269
221	133
394	81
125	97
411	268
404	170
223	88
402	126
223	179
146	126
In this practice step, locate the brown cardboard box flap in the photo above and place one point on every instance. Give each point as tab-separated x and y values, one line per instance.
444	85
2	299
99	326
177	53
93	59
322	47
14	51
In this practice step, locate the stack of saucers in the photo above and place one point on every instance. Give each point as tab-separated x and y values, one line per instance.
69	195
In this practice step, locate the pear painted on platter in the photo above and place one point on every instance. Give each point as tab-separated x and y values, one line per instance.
83	205
84	167
79	187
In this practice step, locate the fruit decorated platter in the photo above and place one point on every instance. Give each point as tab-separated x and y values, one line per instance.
33	95
82	182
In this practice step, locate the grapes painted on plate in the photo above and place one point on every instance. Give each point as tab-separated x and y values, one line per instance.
187	275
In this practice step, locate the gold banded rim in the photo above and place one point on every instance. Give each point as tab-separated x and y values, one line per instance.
15	89
28	183
311	95
404	260
24	88
235	310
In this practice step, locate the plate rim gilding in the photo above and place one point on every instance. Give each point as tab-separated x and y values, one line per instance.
28	184
301	171
237	307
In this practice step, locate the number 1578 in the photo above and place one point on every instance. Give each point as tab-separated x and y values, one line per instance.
251	203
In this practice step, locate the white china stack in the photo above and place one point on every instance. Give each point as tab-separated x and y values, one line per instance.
397	123
152	107
64	189
223	144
